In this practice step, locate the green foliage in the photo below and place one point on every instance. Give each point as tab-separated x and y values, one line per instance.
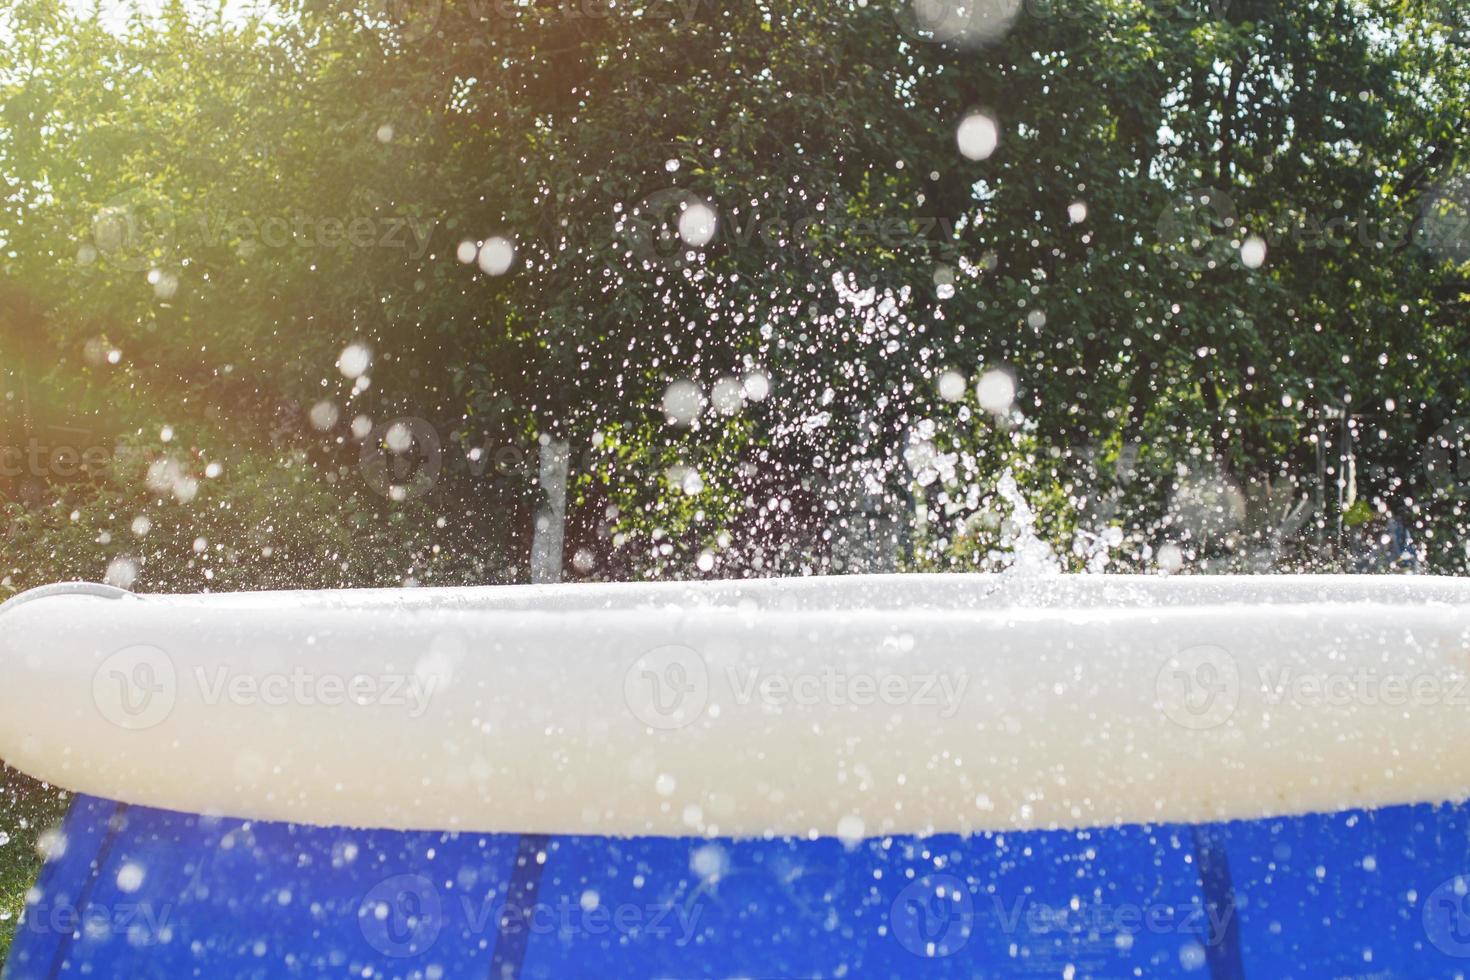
227	204
27	810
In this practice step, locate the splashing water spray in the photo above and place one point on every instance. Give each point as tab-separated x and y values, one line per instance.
1032	556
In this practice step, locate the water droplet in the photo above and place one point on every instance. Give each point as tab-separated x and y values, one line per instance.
354	360
130	877
323	416
977	136
683	401
757	386
951	385
496	256
1253	252
850	830
697	224
122	572
996	391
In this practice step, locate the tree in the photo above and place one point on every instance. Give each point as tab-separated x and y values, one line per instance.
1186	233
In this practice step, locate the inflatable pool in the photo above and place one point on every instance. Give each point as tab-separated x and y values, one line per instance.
865	776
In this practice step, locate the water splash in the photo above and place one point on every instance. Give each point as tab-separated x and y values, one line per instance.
1031	555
